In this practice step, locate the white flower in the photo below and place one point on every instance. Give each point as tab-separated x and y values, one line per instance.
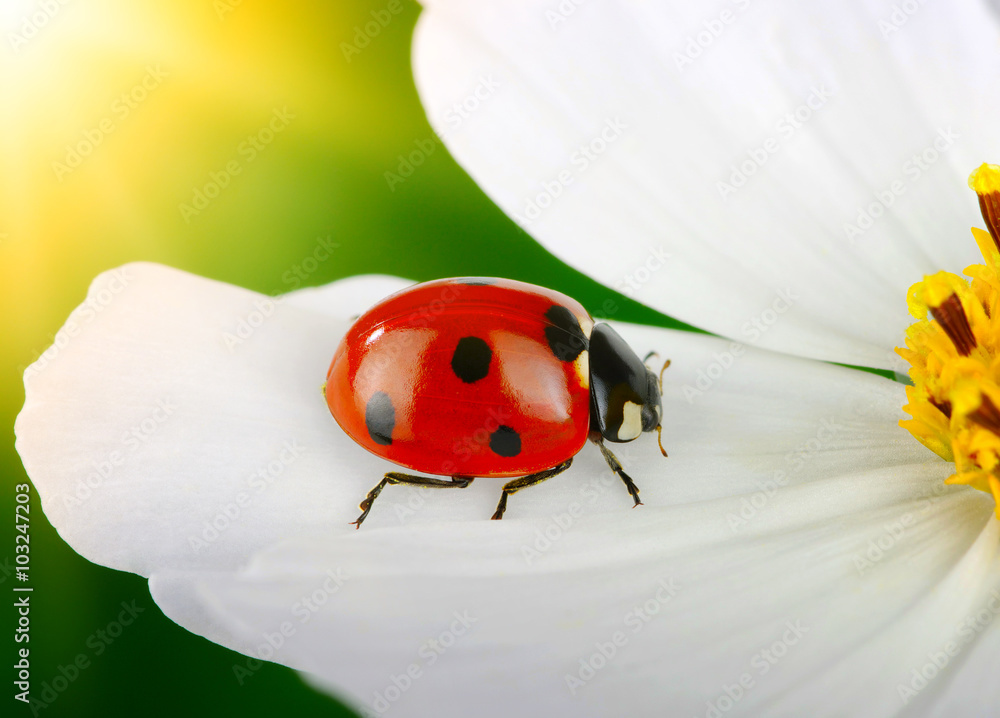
798	553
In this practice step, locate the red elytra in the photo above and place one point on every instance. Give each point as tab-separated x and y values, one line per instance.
482	377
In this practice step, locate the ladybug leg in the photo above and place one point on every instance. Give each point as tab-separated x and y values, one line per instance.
616	466
525	481
393	477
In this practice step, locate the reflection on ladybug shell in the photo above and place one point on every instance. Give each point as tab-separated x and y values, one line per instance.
467	377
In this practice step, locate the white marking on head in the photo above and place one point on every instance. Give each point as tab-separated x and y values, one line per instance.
631	427
582	366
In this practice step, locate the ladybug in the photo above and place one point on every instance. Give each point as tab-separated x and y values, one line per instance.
483	377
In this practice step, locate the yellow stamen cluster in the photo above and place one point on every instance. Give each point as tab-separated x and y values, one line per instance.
954	353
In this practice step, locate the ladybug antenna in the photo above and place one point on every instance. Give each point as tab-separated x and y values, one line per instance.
665	365
659	437
651	354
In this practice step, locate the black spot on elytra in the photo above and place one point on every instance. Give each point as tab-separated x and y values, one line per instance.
471	360
380	418
505	442
565	337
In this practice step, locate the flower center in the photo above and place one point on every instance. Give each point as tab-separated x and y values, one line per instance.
954	355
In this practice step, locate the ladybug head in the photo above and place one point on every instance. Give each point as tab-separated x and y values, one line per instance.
624	392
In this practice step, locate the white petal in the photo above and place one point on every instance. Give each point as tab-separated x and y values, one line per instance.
781	472
973	690
451	620
179	421
517	92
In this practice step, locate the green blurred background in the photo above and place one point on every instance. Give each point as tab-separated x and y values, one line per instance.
214	72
